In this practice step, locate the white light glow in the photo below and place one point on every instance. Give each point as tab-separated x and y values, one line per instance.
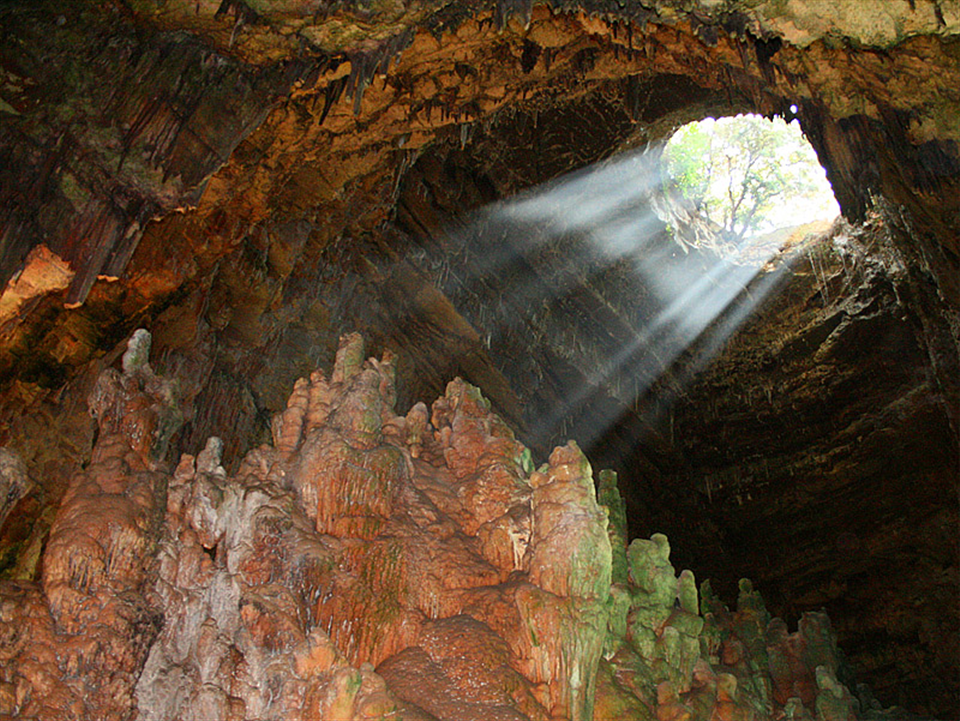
546	242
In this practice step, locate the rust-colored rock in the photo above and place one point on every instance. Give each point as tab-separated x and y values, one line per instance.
252	179
76	643
372	566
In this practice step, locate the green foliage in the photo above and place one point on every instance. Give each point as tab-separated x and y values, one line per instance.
735	177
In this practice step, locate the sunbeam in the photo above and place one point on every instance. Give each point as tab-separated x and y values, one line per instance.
705	314
542	248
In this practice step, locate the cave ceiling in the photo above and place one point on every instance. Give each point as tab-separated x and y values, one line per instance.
250	180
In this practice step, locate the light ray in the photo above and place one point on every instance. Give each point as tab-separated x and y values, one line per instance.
538	249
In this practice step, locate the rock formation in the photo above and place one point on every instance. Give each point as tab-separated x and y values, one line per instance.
367	565
251	179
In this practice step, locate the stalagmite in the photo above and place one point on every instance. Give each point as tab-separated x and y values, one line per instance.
337	576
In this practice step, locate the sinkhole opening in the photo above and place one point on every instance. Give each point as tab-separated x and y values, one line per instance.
632	273
743	186
594	314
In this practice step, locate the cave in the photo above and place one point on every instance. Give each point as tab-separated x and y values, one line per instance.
293	424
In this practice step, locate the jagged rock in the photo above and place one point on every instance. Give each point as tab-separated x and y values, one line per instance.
79	639
328	552
457	584
244	179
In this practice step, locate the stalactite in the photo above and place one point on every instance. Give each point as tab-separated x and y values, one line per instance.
240	9
364	65
736	23
323	63
331	94
506	9
138	214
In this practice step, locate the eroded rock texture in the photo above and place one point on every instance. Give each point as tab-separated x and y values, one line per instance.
250	180
74	644
370	565
362	539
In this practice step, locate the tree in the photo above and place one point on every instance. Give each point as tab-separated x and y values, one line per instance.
735	177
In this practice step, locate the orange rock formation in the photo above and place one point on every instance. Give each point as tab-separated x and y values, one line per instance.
368	565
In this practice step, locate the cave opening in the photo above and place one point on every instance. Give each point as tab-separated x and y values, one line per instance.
590	262
745	181
250	185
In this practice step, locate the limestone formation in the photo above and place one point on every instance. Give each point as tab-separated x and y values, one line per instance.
250	179
74	644
368	565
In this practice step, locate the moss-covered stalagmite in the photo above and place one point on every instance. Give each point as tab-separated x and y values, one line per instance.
608	495
683	660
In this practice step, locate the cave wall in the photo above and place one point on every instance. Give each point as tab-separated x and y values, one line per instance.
829	509
250	180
